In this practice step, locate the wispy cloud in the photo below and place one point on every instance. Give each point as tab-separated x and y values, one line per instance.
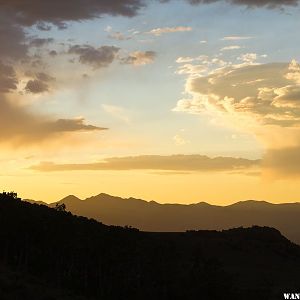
117	35
117	112
179	140
162	30
233	47
236	38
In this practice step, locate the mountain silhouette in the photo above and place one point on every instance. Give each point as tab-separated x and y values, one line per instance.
152	216
48	253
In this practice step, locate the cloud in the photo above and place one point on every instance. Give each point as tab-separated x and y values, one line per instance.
69	125
179	140
197	163
233	47
8	80
39	84
282	162
40	42
261	99
22	127
36	86
267	3
116	111
262	92
236	38
117	35
44	77
160	31
191	69
53	53
252	3
185	59
96	57
12	38
43	27
57	12
248	58
139	58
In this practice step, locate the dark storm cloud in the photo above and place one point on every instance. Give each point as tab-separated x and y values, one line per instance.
57	11
95	57
12	38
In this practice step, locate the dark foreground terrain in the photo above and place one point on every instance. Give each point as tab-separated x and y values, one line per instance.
49	254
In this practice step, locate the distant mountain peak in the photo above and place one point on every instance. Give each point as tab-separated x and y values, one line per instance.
251	203
70	198
104	195
203	203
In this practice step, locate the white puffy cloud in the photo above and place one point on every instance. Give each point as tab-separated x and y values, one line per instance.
263	92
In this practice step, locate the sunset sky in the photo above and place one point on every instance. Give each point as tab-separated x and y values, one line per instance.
175	101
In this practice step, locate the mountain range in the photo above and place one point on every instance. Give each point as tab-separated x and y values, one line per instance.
156	217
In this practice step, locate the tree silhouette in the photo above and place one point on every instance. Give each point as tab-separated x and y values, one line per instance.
60	207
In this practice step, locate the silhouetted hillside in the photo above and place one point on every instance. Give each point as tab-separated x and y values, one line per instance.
48	253
152	216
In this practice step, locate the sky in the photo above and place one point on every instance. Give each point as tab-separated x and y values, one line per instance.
177	101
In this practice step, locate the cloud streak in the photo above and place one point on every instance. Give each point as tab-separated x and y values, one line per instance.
197	163
236	38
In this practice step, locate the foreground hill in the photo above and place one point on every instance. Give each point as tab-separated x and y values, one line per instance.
152	216
50	254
